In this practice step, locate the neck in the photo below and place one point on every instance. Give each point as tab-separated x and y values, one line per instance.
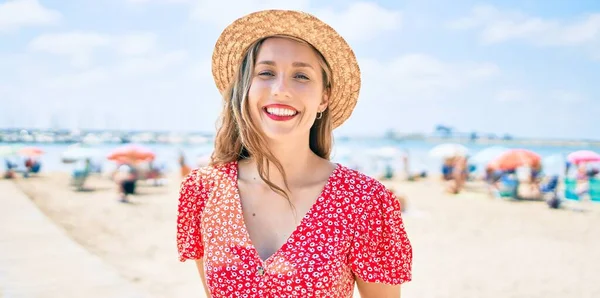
297	161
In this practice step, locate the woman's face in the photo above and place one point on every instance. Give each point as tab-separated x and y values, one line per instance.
286	91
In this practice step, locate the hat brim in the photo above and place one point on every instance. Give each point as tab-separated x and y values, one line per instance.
235	40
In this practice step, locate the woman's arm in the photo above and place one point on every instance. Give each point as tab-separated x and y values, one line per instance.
200	265
377	290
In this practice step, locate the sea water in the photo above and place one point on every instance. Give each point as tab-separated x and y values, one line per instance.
355	153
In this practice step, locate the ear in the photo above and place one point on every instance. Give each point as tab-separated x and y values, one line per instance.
324	102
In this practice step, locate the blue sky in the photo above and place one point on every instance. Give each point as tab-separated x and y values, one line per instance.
528	68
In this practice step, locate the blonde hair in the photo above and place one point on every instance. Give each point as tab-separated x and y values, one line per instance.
239	138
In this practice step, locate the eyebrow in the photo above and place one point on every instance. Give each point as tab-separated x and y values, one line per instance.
295	64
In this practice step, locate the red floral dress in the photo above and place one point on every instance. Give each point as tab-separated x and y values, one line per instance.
354	228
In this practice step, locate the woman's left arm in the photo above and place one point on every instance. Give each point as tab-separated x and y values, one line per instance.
381	254
377	290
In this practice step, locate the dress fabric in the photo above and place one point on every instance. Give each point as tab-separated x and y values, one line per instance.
354	228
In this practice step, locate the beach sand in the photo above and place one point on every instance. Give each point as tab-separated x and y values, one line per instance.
465	245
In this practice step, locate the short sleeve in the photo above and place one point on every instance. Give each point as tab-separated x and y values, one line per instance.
381	251
191	204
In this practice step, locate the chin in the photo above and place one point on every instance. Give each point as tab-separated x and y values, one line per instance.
282	133
278	134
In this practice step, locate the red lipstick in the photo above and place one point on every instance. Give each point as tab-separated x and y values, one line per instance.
280	112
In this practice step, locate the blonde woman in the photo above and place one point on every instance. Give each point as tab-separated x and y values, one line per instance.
272	216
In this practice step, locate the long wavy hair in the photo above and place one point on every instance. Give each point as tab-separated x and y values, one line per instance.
239	138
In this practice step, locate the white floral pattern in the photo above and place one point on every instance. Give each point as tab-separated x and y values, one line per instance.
354	228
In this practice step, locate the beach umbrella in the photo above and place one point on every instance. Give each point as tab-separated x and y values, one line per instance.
30	151
131	153
448	150
583	156
76	153
488	154
515	158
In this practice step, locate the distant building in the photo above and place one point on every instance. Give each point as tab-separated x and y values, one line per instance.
443	131
474	136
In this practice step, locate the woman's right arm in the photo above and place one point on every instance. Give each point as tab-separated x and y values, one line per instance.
192	198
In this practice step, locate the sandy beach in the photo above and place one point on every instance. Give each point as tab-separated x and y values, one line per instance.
466	245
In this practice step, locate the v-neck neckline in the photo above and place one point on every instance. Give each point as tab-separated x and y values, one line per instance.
291	237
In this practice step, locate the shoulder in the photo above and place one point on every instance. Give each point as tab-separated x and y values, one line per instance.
362	185
202	176
366	193
201	180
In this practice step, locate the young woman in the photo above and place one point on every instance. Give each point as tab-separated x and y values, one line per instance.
271	216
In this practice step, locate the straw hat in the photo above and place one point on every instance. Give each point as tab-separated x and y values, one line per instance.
238	36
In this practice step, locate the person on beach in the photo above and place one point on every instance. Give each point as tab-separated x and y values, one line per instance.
448	168
126	177
528	187
492	180
272	216
582	181
454	173
183	167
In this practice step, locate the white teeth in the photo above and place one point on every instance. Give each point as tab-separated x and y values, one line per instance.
281	112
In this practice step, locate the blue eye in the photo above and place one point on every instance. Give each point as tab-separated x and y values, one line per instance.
301	76
266	73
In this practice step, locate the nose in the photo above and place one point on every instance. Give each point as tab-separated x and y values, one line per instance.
280	87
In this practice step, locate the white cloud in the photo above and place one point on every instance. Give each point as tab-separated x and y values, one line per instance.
127	57
500	26
222	13
421	77
513	95
125	93
4	90
556	96
132	68
23	13
160	1
412	92
359	21
82	79
568	97
151	64
78	46
201	71
362	20
136	44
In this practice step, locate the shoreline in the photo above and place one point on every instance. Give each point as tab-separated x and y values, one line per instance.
514	142
201	139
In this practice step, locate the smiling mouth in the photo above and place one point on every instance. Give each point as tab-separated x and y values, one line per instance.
279	113
282	112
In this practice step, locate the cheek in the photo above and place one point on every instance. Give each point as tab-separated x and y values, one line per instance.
311	94
253	95
258	89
